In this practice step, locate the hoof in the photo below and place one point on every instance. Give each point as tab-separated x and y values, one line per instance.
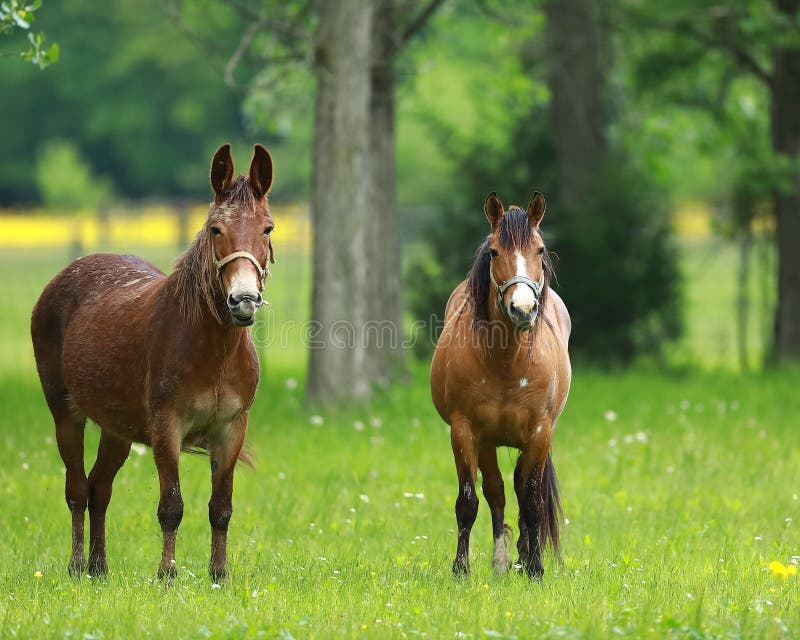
98	567
167	573
218	574
75	568
461	568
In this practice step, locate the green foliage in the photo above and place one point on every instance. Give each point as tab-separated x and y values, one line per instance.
16	15
618	268
66	181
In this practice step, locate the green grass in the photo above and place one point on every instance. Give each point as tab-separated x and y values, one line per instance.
678	488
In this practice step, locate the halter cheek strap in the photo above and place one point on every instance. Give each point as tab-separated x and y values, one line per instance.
263	272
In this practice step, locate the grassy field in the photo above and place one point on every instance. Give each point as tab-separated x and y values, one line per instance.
680	489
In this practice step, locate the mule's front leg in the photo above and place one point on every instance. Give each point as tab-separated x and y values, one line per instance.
166	450
465	453
223	462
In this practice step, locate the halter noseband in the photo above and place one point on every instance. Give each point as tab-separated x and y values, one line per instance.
263	272
500	289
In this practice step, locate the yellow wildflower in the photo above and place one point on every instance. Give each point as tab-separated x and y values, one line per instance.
781	570
38	574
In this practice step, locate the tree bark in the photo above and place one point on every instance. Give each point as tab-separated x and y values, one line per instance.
340	202
785	124
577	103
385	332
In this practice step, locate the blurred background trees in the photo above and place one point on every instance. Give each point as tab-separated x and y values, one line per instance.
621	112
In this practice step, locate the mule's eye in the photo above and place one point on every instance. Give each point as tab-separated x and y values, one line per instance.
215	231
541	251
268	230
493	253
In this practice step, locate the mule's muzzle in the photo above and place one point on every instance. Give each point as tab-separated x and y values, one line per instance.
243	306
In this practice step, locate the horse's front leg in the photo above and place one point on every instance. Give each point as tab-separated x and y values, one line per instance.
166	442
466	458
224	455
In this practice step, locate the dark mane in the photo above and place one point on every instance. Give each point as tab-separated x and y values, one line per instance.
515	232
195	278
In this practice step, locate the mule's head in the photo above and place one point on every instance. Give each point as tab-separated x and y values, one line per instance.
519	263
240	225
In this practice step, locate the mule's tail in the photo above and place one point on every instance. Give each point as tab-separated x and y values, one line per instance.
552	513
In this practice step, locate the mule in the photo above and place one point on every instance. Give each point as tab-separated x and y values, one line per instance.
500	377
161	360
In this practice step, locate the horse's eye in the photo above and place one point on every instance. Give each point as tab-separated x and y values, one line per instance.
268	230
216	231
493	253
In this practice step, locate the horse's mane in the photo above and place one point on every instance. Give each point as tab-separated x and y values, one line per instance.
515	233
196	282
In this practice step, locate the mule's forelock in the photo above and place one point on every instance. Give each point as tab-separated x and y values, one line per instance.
238	200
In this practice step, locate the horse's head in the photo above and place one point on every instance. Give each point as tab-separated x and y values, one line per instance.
239	224
518	259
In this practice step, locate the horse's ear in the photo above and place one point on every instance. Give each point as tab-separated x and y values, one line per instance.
535	208
493	209
261	171
221	172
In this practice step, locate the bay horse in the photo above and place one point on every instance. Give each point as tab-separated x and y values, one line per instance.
161	360
500	376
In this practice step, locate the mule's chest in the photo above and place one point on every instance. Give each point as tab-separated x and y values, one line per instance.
213	409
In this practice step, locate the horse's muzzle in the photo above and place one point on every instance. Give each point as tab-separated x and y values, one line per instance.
523	320
243	306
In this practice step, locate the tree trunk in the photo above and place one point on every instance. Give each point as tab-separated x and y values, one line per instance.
577	105
385	332
785	124
340	202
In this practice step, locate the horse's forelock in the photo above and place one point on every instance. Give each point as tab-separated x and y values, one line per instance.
514	232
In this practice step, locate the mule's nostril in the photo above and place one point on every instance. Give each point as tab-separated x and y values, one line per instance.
259	300
232	301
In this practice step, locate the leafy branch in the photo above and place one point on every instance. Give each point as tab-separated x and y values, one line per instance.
17	16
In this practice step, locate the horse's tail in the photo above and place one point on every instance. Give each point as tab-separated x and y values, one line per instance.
200	448
552	513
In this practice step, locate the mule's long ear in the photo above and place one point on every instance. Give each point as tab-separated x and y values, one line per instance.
535	209
221	172
493	209
261	171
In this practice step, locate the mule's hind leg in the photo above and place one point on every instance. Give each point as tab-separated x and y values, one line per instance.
111	454
69	435
464	451
494	492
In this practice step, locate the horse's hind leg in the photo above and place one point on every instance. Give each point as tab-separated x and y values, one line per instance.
464	451
111	455
494	492
69	435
